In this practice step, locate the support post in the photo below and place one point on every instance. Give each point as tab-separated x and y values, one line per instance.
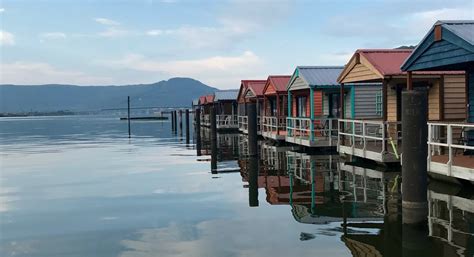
311	108
252	129
128	117
187	125
213	140
290	115
181	122
198	130
415	152
409	81
253	181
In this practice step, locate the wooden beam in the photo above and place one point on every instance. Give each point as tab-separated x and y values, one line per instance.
409	81
441	98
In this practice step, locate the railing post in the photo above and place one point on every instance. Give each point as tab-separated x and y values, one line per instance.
330	131
384	136
338	134
363	135
428	160
450	149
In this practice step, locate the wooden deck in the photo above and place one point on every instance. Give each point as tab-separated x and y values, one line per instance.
274	135
462	166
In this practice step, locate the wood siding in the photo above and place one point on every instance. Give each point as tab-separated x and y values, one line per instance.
298	84
391	102
433	102
360	73
454	97
365	101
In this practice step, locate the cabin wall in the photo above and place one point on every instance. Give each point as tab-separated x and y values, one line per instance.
391	102
454	97
365	98
347	105
433	102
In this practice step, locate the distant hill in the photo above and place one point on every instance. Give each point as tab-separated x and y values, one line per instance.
175	92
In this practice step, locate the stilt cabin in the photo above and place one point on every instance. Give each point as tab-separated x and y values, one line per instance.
449	46
254	94
309	122
275	108
206	102
225	102
378	138
242	104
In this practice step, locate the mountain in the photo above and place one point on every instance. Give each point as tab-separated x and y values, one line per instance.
175	92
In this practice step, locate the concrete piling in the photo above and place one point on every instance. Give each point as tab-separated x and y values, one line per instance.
253	181
415	151
252	129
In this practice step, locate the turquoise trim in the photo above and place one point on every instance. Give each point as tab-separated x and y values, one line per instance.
311	102
290	114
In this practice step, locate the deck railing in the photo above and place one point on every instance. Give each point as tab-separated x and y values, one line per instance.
370	135
205	119
453	137
273	124
312	130
226	121
242	122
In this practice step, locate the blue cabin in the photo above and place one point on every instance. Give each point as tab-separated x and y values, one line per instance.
449	46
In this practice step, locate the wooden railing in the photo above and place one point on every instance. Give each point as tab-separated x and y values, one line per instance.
312	130
273	124
370	135
448	139
226	121
242	122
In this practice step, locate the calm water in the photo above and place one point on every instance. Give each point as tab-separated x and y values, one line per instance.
77	186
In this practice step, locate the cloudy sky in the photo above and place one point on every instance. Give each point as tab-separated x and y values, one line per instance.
92	42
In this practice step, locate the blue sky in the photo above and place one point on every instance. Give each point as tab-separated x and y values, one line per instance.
93	42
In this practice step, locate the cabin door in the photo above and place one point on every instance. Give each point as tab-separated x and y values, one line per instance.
334	105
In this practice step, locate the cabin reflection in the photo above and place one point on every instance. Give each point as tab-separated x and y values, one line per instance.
451	220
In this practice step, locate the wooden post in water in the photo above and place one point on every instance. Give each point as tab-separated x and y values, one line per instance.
187	125
252	129
253	181
181	122
175	121
172	121
128	117
197	128
213	141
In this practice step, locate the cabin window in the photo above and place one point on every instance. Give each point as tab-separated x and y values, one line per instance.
378	103
273	107
301	106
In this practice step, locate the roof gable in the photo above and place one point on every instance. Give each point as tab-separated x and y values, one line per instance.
314	76
448	45
276	84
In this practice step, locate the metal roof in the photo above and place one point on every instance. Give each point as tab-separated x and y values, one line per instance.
463	29
257	87
320	75
279	81
226	95
386	61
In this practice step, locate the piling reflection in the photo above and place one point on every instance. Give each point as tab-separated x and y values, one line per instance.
359	202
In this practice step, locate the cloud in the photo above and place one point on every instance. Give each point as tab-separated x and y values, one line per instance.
155	32
32	73
2	10
222	71
53	35
114	32
108	22
6	38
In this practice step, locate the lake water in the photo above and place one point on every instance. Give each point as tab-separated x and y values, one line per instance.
78	186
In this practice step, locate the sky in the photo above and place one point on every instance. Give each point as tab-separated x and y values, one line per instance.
92	42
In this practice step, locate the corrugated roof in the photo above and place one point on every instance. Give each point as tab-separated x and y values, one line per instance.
209	99
257	87
386	61
462	28
226	95
320	75
389	61
279	82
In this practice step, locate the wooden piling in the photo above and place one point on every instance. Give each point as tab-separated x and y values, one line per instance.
253	181
128	117
187	125
197	129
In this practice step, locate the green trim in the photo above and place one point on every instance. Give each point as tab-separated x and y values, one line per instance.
290	113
